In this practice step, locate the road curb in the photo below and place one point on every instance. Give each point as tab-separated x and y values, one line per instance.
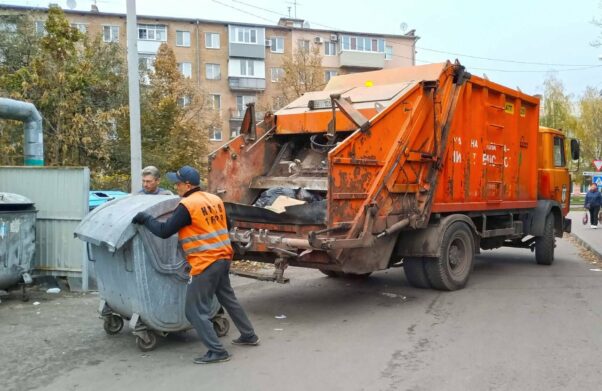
583	243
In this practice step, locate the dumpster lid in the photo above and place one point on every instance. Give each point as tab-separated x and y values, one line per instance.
111	223
15	202
14	199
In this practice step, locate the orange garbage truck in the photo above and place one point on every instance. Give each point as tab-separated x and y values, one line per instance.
419	167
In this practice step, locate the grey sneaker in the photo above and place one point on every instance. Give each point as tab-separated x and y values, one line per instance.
212	358
253	341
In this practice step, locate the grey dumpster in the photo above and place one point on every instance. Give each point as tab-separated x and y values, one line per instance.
17	239
141	278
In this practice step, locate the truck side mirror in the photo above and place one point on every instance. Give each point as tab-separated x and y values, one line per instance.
574	149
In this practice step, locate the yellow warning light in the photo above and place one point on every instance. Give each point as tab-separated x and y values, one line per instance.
368	83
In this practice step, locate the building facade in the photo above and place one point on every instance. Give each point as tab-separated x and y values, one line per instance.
239	63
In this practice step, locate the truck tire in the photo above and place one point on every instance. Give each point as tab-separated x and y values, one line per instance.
544	245
416	273
451	270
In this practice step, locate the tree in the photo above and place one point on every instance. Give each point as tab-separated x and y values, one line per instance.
18	42
176	117
77	83
302	72
557	106
590	130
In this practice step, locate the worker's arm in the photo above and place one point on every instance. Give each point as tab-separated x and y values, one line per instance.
179	219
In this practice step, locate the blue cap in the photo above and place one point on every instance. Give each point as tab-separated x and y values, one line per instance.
185	174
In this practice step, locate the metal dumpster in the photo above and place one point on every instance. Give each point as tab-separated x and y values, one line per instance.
17	239
141	278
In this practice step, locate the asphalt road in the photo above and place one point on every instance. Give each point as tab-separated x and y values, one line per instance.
517	326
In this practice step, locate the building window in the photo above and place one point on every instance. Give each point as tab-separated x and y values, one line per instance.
277	74
234	132
216	134
278	102
215	101
247	68
244	35
110	33
303	44
212	41
152	32
184	101
212	72
81	27
388	52
277	44
185	69
330	48
40	27
329	75
363	44
8	27
241	104
183	38
146	62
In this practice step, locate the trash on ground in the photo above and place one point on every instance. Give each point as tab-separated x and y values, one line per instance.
596	270
278	329
36	303
393	295
280	316
53	290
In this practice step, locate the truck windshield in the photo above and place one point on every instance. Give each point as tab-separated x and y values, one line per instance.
559	159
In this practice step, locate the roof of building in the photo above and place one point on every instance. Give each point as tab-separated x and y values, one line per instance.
410	35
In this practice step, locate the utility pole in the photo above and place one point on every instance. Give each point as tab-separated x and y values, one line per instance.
134	98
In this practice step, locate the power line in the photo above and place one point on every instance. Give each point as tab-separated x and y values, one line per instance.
503	60
243	11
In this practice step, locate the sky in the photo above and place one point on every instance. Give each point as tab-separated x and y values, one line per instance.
517	43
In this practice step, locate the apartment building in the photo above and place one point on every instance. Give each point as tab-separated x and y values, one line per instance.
238	63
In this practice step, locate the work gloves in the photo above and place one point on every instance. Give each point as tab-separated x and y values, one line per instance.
141	218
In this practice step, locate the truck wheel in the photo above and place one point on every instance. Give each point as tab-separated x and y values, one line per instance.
416	273
544	245
451	271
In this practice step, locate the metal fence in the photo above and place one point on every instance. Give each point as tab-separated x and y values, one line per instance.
60	195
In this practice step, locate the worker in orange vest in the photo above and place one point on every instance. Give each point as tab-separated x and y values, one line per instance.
200	221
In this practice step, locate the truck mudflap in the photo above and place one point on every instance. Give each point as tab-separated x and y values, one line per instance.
567	225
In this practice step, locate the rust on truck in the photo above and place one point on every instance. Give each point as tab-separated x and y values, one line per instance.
399	160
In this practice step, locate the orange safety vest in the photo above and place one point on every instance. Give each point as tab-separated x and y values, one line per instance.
206	239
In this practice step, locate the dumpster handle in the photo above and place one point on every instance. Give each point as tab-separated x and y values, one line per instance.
89	253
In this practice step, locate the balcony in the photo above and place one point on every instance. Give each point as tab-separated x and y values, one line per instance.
246	84
237	115
368	60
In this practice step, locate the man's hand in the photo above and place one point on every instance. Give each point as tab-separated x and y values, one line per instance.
141	218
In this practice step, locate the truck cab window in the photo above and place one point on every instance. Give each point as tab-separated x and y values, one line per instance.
559	158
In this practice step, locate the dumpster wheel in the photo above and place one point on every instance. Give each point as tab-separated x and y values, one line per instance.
149	344
221	326
113	324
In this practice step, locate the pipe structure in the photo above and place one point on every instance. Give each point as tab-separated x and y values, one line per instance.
33	149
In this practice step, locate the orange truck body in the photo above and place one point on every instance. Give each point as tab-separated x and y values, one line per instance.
399	156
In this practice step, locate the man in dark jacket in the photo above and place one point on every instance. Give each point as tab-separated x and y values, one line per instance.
593	201
200	221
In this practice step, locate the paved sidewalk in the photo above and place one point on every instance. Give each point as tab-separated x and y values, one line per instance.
586	236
